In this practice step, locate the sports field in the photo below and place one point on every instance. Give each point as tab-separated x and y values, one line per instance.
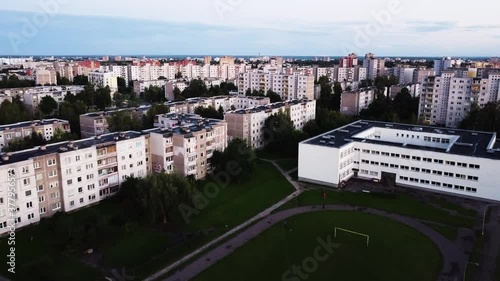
396	252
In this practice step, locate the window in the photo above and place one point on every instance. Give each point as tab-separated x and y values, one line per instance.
29	205
67	160
70	182
51	162
451	163
89	166
405	156
31	216
41	199
26	181
394	166
414	169
470	189
438	161
366	151
54	195
471	178
37	165
91	176
447	185
405	168
91	187
385	154
26	170
81	200
79	179
434	183
77	158
1	200
394	155
427	171
43	210
72	203
56	206
473	166
429	160
91	197
53	174
424	182
80	189
439	173
68	172
446	174
463	165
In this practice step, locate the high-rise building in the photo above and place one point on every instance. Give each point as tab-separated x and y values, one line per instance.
442	65
104	79
374	66
289	87
350	61
46	76
352	102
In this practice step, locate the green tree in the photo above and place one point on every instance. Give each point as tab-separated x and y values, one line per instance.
274	97
102	98
13	112
62	80
154	94
238	156
47	105
178	94
280	135
209	112
197	88
71	111
123	120
12	81
149	119
80	80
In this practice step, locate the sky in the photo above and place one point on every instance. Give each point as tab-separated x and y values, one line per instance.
250	27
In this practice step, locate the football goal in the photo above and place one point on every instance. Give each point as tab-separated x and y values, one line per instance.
355	233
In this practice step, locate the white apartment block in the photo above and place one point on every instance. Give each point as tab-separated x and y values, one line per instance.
45	128
289	87
353	102
18	195
141	86
170	87
374	66
185	143
33	96
456	162
104	79
248	124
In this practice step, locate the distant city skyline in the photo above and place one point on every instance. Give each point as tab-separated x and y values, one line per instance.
196	27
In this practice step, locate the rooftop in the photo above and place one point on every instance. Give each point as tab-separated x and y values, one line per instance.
31	123
184	124
451	141
268	107
67	146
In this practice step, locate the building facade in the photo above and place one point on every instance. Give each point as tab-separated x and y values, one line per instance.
352	102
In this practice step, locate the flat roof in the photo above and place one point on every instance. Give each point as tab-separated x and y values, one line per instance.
63	146
30	123
469	143
269	106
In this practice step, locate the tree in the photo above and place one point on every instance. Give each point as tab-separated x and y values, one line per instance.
178	75
12	81
102	98
162	78
13	112
123	120
197	88
149	119
118	99
154	94
274	97
280	134
71	111
178	94
80	80
27	142
209	112
62	80
238	156
47	105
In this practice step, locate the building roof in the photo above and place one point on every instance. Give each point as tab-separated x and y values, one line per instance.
467	143
269	106
31	123
67	146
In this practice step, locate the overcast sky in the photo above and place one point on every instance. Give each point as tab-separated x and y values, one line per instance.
250	27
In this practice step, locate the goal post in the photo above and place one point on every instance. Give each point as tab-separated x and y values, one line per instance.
354	232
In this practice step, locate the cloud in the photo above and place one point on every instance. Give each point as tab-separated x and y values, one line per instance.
484	27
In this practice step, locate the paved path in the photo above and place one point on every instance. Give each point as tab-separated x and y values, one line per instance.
265	213
453	258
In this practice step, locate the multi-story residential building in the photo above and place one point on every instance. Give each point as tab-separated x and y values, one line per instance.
420	74
352	102
375	67
104	79
248	124
18	194
46	76
456	162
414	89
33	96
170	87
96	123
350	61
46	128
68	176
184	143
459	101
141	86
442	65
289	87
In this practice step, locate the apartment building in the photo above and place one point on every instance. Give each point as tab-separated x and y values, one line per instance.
352	102
96	123
18	195
33	96
457	162
289	87
248	124
420	74
141	86
185	143
104	79
46	128
350	61
374	66
70	175
414	89
170	87
46	76
442	65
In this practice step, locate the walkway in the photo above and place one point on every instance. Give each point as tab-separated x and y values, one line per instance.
453	258
265	213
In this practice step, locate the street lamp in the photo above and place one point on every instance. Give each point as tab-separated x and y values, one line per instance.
465	271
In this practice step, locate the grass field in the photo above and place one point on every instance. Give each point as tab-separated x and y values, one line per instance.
134	249
475	256
396	251
395	203
288	164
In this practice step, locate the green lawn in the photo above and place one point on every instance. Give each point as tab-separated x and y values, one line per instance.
395	250
395	203
443	203
269	155
145	249
288	164
475	256
447	231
